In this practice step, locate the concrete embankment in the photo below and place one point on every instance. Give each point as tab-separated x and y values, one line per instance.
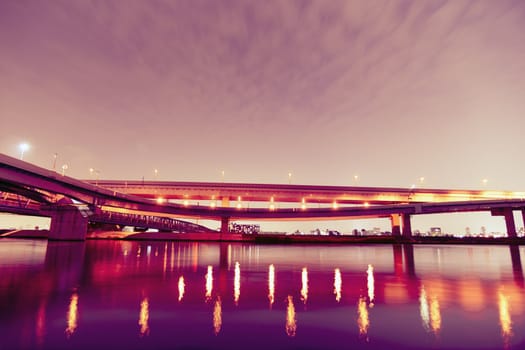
26	234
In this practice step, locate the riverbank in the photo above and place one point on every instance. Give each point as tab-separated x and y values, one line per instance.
270	238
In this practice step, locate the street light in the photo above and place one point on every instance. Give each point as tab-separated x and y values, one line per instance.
485	182
64	168
23	148
55	156
222	173
156	171
96	172
290	178
356	179
411	191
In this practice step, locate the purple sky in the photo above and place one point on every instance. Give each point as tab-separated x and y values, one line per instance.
388	90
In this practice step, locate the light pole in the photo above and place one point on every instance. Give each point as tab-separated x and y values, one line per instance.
156	171
55	156
356	179
411	191
289	178
23	148
64	168
485	182
96	172
222	174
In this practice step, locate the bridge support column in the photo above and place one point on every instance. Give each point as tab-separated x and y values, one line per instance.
407	226
509	220
225	224
395	221
410	266
523	216
67	224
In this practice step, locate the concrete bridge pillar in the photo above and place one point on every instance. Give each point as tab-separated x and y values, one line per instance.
395	220
509	220
523	216
67	224
225	224
407	226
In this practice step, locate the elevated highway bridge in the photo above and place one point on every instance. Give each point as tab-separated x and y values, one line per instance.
225	194
60	197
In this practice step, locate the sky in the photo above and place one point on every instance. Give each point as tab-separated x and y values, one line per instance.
388	91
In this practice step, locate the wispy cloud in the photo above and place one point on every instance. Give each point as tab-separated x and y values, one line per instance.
391	71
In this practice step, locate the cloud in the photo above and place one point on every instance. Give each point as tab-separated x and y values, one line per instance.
388	71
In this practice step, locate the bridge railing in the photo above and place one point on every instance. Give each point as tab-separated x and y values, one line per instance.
147	221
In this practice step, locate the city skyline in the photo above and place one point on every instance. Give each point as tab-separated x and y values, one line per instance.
340	93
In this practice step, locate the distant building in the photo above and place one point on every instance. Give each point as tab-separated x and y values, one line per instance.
435	231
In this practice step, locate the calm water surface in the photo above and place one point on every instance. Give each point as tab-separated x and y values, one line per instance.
171	295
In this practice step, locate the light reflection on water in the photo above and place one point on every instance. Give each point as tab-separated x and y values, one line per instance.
291	323
304	285
144	317
209	282
217	316
181	286
72	315
237	283
363	321
370	284
337	284
409	297
504	317
271	284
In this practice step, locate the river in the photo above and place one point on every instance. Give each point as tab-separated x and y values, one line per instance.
187	295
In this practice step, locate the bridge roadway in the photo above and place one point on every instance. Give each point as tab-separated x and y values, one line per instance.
15	174
225	193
